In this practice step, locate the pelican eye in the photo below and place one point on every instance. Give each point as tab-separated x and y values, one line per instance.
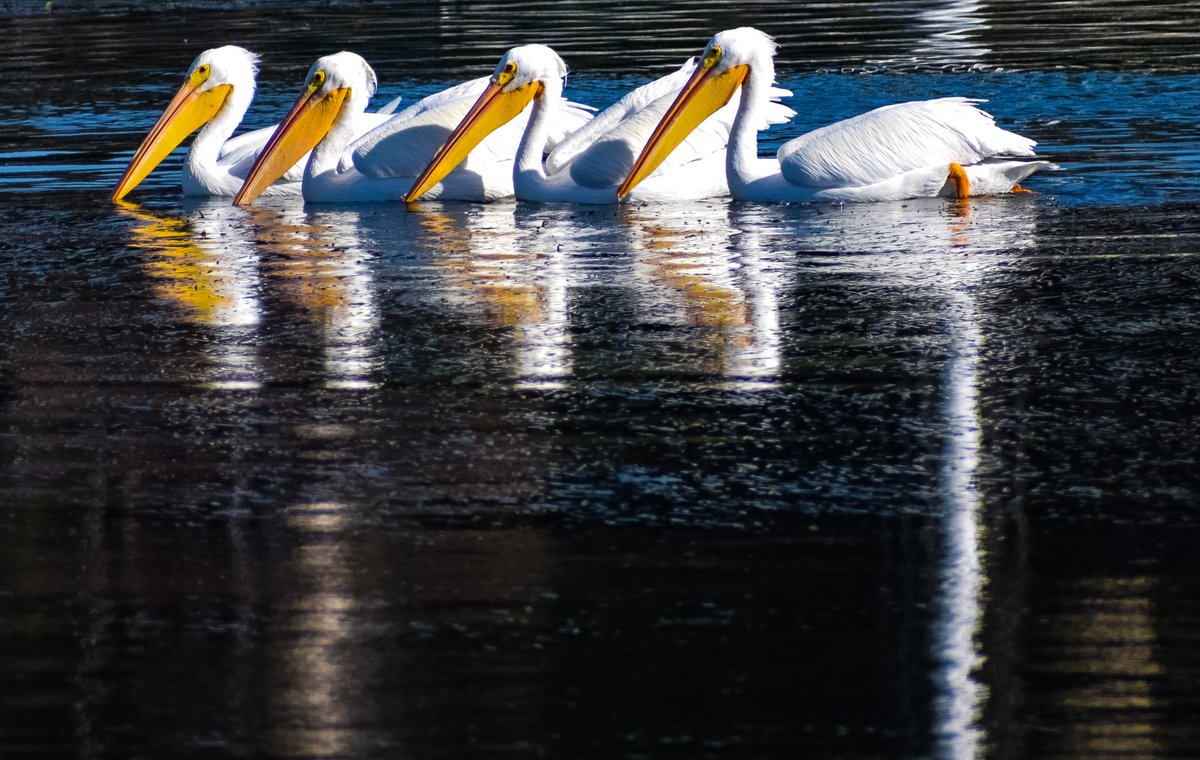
507	73
712	56
200	74
317	81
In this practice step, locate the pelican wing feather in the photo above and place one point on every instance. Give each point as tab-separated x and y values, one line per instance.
610	117
895	139
603	152
404	144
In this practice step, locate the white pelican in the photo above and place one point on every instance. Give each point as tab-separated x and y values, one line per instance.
909	150
587	166
216	92
382	163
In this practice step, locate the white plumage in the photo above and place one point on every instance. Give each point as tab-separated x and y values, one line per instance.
382	162
894	152
587	165
217	91
402	146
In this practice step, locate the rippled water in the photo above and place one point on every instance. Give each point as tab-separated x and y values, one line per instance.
524	480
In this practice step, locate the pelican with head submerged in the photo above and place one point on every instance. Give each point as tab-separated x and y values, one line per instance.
381	164
944	147
588	164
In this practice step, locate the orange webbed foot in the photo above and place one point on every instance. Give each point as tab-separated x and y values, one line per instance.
962	185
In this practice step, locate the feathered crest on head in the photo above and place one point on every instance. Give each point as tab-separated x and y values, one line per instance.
745	36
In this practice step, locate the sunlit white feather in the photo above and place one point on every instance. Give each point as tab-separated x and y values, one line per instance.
218	162
589	164
383	162
891	153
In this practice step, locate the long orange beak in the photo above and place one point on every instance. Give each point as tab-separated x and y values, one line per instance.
701	97
305	125
492	110
188	111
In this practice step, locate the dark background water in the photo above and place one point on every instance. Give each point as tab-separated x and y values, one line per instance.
523	480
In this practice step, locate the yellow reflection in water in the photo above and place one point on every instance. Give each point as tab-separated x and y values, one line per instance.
693	265
487	260
204	265
318	264
1107	657
202	275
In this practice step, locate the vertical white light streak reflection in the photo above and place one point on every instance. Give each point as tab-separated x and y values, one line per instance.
544	347
943	251
236	261
351	359
314	713
755	362
960	575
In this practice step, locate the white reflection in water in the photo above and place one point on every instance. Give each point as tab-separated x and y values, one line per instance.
903	243
313	712
996	227
952	29
693	267
546	359
961	578
204	264
946	250
318	262
490	259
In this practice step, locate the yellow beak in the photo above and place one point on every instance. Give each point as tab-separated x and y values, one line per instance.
305	125
492	110
701	97
188	111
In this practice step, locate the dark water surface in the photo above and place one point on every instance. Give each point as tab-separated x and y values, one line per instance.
521	480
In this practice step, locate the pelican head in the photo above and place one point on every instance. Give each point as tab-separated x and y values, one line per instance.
220	78
726	63
332	82
518	79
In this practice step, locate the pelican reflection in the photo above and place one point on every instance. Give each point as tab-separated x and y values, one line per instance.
901	243
203	264
946	253
494	262
693	267
960	572
317	263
